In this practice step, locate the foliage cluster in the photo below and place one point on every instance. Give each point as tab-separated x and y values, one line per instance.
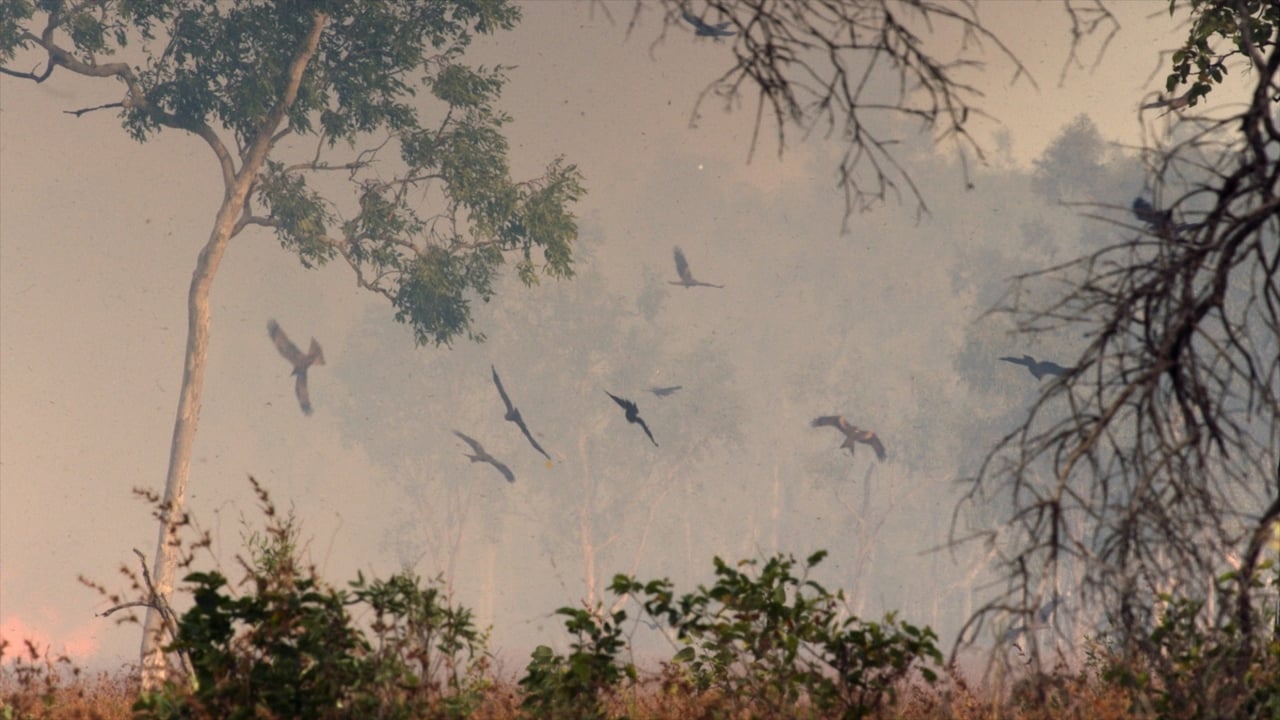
288	645
769	643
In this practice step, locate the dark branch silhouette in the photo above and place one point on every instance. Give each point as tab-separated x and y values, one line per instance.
300	362
513	415
852	434
665	391
1039	368
633	414
686	277
480	455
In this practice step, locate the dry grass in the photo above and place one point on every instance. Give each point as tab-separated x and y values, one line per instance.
47	688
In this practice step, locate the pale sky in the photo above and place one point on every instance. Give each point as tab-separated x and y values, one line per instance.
99	235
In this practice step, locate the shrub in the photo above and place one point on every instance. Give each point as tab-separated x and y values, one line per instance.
773	642
288	647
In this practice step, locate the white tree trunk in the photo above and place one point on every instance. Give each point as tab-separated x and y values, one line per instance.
184	434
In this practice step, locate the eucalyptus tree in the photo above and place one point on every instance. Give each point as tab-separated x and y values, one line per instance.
296	102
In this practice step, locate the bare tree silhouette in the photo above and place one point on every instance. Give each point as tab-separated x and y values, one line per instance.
1152	462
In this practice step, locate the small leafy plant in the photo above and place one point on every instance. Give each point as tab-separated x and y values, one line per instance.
775	642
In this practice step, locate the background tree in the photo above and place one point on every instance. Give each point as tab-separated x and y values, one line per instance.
1154	466
252	80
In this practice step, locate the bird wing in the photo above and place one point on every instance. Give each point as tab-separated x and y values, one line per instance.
300	389
682	266
695	21
525	429
506	471
835	421
665	391
1025	360
646	430
476	447
315	356
627	405
719	29
505	400
874	442
285	345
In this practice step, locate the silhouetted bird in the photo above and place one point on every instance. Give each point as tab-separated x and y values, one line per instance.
300	362
482	456
852	434
686	277
513	415
1173	103
704	29
1040	623
1159	222
1039	368
665	391
633	414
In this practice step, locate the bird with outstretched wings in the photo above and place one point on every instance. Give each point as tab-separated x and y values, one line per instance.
633	414
513	415
852	434
480	455
704	29
686	277
665	391
300	362
1039	368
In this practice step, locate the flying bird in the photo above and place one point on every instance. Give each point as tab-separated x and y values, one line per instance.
1039	368
1041	621
482	456
1159	222
513	415
705	29
665	391
852	434
686	277
1173	103
633	414
300	362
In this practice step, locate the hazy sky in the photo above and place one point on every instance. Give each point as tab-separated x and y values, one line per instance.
98	238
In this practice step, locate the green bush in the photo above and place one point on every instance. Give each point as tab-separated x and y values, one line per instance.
578	686
774	642
287	647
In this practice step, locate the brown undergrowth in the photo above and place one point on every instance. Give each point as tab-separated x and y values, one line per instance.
40	686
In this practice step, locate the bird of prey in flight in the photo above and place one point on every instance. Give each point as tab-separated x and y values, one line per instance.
852	434
1039	368
1159	222
705	29
481	455
1173	103
513	415
633	414
300	362
686	277
665	391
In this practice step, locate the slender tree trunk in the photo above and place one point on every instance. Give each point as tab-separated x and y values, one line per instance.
154	666
184	434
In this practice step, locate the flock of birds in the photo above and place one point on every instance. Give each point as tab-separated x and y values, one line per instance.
853	435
